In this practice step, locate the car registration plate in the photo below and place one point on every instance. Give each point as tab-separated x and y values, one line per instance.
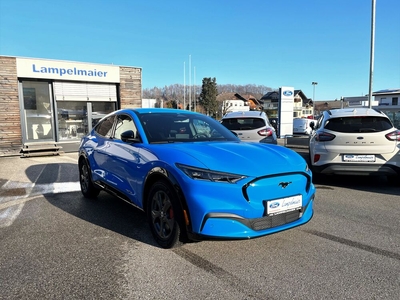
283	205
359	158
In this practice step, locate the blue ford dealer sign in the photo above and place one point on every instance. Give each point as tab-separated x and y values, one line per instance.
287	93
285	111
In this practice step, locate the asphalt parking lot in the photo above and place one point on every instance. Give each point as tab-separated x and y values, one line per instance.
57	245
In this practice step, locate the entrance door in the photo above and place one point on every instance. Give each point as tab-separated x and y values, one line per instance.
76	118
37	109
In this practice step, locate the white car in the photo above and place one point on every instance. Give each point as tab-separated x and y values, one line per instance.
302	126
355	141
250	126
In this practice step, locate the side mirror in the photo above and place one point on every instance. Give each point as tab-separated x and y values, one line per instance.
129	136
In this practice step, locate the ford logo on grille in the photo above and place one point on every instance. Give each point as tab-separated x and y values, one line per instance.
287	93
274	205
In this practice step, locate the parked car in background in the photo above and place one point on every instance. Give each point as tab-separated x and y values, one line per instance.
302	126
193	178
275	123
250	126
355	141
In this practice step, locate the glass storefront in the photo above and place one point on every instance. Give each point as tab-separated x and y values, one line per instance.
70	121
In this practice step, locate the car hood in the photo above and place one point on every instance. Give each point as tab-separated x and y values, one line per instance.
251	159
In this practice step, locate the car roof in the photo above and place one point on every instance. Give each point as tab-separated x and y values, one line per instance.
241	114
359	111
157	110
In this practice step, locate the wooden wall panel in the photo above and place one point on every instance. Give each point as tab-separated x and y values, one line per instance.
130	87
10	120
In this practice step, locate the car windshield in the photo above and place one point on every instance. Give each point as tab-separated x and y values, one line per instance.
183	127
243	123
358	124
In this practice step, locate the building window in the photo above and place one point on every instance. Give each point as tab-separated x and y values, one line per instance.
395	101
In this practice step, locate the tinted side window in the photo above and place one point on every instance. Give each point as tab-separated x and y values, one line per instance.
358	124
105	126
124	123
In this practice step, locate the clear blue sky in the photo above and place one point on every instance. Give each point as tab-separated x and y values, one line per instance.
263	42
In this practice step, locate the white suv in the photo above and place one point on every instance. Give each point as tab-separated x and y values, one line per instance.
250	126
355	141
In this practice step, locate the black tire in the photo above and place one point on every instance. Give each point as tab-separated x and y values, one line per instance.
164	215
85	179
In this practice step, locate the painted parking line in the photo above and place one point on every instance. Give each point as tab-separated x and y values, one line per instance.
15	190
13	196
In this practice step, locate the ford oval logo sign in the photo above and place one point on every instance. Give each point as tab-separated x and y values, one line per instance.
287	93
274	205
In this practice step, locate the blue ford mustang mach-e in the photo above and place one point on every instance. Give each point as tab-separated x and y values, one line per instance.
193	177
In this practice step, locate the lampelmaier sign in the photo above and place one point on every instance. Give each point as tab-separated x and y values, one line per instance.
66	70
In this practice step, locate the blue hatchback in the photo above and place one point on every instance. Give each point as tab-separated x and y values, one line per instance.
193	177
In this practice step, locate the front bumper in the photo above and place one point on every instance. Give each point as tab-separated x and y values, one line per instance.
237	211
222	225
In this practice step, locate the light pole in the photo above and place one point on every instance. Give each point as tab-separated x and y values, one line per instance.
372	55
314	83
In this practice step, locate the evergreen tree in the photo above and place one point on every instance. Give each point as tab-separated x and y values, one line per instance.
208	96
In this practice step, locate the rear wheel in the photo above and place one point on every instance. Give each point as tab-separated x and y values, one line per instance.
85	179
164	215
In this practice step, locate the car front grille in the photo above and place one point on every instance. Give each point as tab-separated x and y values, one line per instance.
273	221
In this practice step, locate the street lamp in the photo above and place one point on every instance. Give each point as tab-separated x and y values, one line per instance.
314	83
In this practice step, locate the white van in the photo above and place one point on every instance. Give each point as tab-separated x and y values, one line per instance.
302	126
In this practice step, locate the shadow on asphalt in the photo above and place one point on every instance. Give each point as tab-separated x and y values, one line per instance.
105	211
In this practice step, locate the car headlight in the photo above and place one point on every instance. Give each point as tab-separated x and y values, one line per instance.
205	174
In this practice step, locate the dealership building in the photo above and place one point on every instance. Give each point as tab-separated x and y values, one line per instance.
48	105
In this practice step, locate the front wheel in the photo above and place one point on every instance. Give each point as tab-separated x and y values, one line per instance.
164	215
85	179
